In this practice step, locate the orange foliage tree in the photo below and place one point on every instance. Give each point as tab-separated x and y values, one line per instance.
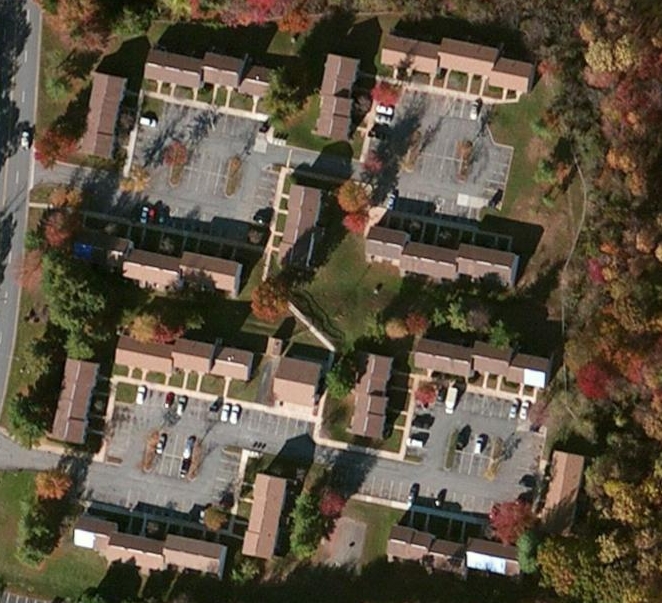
269	300
52	485
60	227
352	197
52	146
295	21
29	272
417	324
385	93
176	154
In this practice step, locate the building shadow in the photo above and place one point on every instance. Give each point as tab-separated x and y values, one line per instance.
121	583
128	61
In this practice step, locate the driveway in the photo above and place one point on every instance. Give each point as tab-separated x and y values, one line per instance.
444	123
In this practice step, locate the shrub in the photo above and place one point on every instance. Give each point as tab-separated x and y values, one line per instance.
416	324
340	379
331	504
426	394
395	328
355	222
385	93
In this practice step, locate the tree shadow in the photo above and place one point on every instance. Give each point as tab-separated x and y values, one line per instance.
73	122
79	63
128	62
122	582
158	585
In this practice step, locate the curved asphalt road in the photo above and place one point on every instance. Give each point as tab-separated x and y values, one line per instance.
20	32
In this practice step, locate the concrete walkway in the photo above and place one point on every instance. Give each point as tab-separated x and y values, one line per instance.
196	104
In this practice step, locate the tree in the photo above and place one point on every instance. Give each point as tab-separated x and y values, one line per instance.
35	538
176	9
269	300
341	378
385	93
355	222
52	485
509	520
52	146
373	164
352	197
57	88
527	547
137	181
594	381
27	419
29	273
307	526
65	196
395	328
426	393
417	324
296	20
500	336
282	99
60	227
148	327
245	572
176	154
331	504
215	518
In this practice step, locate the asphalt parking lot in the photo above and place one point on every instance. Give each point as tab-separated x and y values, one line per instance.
212	139
125	483
445	122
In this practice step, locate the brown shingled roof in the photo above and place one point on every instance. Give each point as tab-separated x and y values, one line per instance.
561	500
136	543
197	261
70	422
411	47
299	371
492	549
430	252
478	52
89	523
191	545
262	534
173	60
105	100
303	211
154	260
495	257
339	75
388	235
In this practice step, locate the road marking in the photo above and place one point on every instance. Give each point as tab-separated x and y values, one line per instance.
17	176
23	96
25	56
27	16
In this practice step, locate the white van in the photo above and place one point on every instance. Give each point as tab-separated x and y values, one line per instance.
451	399
149	121
415	443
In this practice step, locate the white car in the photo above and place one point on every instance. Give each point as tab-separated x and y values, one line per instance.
451	399
188	449
182	401
149	121
225	412
481	441
25	139
141	394
388	110
383	119
524	410
474	110
514	408
235	413
391	198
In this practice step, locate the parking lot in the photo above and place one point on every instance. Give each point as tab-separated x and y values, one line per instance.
124	482
444	123
212	139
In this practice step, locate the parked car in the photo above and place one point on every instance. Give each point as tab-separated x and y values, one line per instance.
26	138
379	131
424	421
391	198
235	413
169	399
417	440
149	120
481	442
144	213
215	406
141	394
225	412
263	216
524	410
184	467
182	401
162	212
514	407
161	444
188	448
413	493
380	118
440	498
463	438
264	127
475	109
388	110
451	399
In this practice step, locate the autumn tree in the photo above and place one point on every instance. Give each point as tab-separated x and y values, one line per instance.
356	222
52	146
509	520
417	324
137	181
215	518
52	485
296	20
269	300
353	197
426	393
331	504
385	93
594	380
60	226
176	154
373	164
29	273
395	328
65	197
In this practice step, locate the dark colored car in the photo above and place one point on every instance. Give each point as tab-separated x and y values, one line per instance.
379	131
264	127
162	212
424	421
215	406
263	216
413	493
463	438
169	399
441	497
185	467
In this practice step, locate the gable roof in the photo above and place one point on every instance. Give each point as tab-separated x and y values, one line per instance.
430	252
150	259
207	263
388	236
172	60
567	471
299	371
491	549
105	100
70	422
339	75
487	255
410	46
202	548
262	534
303	211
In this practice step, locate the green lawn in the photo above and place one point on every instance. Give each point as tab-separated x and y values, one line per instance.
379	521
120	370
49	109
126	392
342	292
511	125
136	373
68	571
176	379
212	385
246	391
241	101
192	380
280	222
155	377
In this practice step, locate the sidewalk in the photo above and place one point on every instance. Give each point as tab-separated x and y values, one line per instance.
195	104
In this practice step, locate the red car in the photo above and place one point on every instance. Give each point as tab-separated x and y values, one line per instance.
169	399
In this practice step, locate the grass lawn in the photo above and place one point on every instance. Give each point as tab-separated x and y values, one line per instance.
120	370
212	385
511	125
67	572
241	101
136	373
126	392
192	380
176	379
280	222
246	391
379	521
343	289
155	377
153	105
50	109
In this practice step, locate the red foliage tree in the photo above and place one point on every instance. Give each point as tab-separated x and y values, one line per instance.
52	146
426	394
246	12
509	520
165	333
176	154
59	228
595	271
594	380
373	163
331	504
355	222
417	324
29	272
269	300
385	93
295	21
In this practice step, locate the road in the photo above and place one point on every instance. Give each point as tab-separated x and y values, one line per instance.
20	27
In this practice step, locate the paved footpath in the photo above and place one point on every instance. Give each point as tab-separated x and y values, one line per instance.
13	457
